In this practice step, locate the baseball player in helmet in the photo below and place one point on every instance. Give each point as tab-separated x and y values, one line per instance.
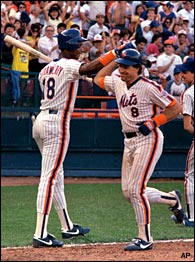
187	98
140	102
59	84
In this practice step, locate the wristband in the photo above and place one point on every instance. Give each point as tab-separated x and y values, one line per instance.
160	119
101	85
107	58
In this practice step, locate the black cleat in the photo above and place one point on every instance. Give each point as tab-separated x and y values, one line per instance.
139	244
177	208
48	241
75	231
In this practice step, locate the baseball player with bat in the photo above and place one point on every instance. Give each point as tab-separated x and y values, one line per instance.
59	84
187	99
143	106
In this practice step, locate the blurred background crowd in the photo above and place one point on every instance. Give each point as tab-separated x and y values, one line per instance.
162	31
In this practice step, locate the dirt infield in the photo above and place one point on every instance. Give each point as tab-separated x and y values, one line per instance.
162	251
172	251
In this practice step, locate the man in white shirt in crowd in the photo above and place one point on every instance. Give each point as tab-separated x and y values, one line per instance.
167	60
48	45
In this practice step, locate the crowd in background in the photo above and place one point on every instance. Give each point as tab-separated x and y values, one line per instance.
162	31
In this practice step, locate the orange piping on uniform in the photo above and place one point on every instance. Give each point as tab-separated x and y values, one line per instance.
173	102
59	157
142	184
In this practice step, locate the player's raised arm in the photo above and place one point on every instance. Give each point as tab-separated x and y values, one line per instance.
105	71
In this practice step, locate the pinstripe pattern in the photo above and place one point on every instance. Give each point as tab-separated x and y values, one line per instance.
188	109
139	159
144	95
59	85
189	176
139	102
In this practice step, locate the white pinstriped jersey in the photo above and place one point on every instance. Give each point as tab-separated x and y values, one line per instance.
188	101
138	102
59	84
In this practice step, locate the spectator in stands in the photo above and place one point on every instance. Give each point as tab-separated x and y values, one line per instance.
34	14
96	8
190	52
25	19
42	4
140	45
48	45
114	39
189	30
10	8
7	56
85	17
167	60
73	14
181	45
33	38
60	27
155	47
176	28
150	26
17	24
85	48
120	15
98	27
21	8
187	11
20	64
125	36
152	67
53	14
176	86
140	8
168	28
167	11
98	48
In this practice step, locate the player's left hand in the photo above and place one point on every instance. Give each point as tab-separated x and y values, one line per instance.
121	48
146	127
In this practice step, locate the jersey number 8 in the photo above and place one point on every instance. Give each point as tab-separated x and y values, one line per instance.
49	87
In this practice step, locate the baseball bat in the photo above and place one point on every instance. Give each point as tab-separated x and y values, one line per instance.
27	48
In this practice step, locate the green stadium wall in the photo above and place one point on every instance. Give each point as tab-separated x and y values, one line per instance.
95	149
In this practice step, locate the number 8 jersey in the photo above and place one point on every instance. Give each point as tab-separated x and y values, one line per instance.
59	84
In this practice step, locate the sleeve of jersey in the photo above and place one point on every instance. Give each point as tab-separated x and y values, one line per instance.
108	83
161	97
187	105
72	70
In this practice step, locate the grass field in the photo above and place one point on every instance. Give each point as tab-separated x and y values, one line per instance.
98	206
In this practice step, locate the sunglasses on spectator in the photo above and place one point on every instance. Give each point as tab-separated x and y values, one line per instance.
99	16
167	22
22	7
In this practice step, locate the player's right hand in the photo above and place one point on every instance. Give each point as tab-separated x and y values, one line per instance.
146	127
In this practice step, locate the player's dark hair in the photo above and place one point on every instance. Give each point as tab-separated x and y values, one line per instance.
138	66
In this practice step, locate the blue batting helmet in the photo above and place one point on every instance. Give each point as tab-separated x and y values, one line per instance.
129	57
69	39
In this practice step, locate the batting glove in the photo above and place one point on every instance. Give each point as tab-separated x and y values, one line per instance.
146	127
121	48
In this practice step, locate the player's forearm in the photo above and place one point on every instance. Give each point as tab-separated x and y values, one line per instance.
97	64
187	124
172	112
105	71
